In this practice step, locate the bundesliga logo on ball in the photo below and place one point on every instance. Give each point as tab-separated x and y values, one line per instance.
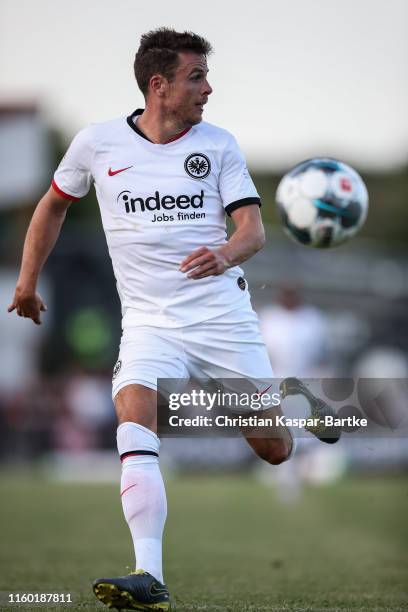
322	202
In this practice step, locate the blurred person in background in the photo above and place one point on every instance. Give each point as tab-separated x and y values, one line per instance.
296	335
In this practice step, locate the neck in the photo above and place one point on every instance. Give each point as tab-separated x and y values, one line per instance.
159	127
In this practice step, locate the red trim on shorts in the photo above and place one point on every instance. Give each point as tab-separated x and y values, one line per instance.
62	193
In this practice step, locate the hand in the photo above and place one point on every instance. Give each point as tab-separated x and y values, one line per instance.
204	262
28	304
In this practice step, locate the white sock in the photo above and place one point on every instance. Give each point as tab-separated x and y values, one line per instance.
143	495
301	442
298	407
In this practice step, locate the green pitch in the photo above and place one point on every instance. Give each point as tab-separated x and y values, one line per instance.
229	545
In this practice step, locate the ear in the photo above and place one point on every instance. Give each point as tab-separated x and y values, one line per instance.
158	85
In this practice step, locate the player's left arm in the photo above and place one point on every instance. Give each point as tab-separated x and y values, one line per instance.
246	240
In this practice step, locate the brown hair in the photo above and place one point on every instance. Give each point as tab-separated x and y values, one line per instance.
158	53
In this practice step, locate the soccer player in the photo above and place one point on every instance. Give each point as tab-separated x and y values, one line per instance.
165	182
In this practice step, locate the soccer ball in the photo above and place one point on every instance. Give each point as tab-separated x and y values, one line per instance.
322	202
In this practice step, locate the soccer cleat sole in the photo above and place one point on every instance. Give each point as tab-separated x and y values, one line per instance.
113	597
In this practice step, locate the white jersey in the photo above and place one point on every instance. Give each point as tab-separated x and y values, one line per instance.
159	203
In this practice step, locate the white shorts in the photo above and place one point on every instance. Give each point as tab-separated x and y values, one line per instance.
229	346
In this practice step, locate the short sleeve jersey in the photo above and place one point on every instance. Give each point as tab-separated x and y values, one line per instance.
159	203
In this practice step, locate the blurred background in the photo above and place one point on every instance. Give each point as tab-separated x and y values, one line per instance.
291	80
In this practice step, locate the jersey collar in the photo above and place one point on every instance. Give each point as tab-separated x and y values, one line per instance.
133	125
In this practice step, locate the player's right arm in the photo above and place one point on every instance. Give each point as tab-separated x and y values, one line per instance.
71	182
41	237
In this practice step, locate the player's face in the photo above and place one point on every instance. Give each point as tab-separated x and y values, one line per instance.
189	90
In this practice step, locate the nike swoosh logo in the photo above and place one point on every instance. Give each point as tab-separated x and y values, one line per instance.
265	390
127	489
113	172
154	590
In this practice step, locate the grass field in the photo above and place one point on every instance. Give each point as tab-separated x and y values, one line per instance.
229	545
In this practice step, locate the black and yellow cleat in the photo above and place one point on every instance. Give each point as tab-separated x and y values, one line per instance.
137	591
318	410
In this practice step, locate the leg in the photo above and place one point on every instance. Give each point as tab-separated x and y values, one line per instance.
146	354
142	489
279	443
234	350
137	404
273	444
143	501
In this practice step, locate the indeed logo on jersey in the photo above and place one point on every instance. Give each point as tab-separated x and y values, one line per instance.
157	202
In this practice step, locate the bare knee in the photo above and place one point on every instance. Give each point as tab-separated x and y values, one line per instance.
273	451
137	404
